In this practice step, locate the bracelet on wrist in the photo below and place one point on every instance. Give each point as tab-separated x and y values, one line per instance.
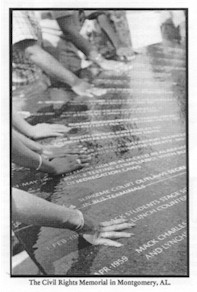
40	162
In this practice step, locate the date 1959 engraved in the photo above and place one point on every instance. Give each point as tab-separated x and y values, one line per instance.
112	266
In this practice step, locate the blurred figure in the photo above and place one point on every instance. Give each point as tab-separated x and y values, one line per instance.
114	41
176	20
62	39
30	60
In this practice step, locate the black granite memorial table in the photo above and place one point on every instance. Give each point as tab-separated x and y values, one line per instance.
137	131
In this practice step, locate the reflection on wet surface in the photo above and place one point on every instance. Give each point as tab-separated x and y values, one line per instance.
138	171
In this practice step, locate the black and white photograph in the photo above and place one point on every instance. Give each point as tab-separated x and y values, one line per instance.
99	142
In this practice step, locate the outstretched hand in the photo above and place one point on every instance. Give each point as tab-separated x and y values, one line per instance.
69	163
110	65
83	88
107	231
124	54
51	152
49	130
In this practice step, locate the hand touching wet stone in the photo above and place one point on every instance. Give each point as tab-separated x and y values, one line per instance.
68	163
30	209
98	91
83	88
50	152
48	130
123	54
106	231
110	65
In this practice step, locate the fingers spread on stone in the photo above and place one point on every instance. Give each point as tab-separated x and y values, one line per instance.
57	134
112	234
85	158
121	226
61	128
89	93
113	222
107	242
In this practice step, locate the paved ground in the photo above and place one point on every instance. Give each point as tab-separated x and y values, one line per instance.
138	133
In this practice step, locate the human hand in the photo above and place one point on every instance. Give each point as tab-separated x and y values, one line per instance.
68	163
51	152
84	88
105	231
48	130
111	65
124	54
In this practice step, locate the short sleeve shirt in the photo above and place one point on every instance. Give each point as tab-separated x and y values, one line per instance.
25	27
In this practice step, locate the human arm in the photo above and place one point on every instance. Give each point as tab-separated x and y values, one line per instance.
41	130
26	43
30	209
46	62
68	27
54	69
71	34
26	153
108	30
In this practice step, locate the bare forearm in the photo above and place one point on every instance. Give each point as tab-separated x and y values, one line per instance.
71	34
21	125
30	209
24	156
107	28
50	65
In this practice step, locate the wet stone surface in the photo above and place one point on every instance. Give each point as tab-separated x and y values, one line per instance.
138	171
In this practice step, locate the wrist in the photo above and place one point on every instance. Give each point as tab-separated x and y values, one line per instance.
72	219
88	227
47	166
32	132
75	81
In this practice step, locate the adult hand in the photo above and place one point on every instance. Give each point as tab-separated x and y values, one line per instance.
68	163
123	54
107	64
51	152
83	88
112	65
48	130
106	230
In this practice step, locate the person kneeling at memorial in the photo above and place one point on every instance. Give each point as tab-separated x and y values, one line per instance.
114	25
62	39
30	209
30	60
29	154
